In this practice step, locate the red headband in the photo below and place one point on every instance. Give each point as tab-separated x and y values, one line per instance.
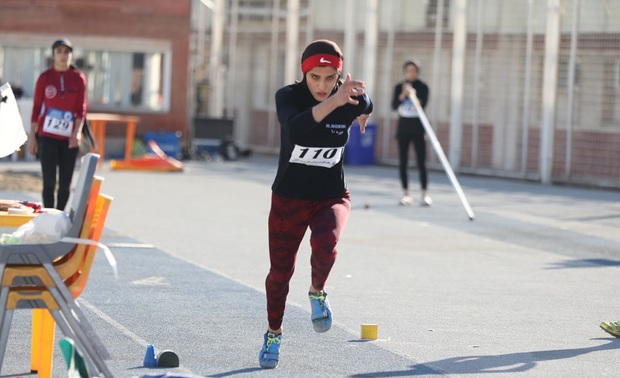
321	60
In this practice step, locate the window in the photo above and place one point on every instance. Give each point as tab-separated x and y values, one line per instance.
116	80
20	67
564	72
124	80
617	76
432	12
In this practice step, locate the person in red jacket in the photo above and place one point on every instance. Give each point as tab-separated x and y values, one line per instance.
57	118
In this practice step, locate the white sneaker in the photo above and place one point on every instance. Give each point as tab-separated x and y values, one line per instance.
426	201
406	201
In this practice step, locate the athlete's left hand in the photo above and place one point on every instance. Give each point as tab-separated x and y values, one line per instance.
74	141
363	121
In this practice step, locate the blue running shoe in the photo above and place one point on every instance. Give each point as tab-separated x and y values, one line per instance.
321	313
270	353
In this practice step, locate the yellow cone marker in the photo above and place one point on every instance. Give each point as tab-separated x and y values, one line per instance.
369	331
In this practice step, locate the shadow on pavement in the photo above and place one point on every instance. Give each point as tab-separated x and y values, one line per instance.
494	364
235	372
584	263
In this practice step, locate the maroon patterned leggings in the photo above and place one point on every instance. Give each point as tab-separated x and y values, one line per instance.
288	221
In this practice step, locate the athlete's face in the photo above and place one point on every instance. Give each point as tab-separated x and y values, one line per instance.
411	72
62	57
321	81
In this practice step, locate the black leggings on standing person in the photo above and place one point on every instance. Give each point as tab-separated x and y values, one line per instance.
411	130
56	158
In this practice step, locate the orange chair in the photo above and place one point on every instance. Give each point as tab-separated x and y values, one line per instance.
75	269
42	322
30	278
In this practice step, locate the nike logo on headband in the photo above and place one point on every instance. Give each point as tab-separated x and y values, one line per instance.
323	60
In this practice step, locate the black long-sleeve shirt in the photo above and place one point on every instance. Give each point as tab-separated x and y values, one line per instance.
311	153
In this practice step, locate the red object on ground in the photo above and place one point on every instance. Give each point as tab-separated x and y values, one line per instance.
158	162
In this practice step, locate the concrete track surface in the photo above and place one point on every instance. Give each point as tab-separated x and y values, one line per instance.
520	291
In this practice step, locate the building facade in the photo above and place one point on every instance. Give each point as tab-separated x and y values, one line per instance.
525	89
519	88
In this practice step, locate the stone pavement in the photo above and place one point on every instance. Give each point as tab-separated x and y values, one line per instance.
520	291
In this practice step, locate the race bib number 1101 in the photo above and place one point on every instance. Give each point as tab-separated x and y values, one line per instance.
325	157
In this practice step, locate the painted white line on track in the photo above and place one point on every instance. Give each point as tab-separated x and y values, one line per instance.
130	245
583	228
152	281
137	339
113	322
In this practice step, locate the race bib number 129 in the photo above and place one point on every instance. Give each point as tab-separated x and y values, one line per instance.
325	157
58	122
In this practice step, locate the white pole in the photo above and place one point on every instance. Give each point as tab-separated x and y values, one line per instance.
370	46
387	100
216	79
201	38
437	61
552	42
571	90
198	72
291	68
458	78
273	67
309	22
231	103
349	38
527	89
442	157
477	75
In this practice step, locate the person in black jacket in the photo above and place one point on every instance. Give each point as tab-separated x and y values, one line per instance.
410	129
309	190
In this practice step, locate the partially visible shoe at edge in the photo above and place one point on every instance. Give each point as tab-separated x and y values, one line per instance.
321	313
269	355
613	328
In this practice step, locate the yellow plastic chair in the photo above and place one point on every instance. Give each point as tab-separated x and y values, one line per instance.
43	325
18	292
74	272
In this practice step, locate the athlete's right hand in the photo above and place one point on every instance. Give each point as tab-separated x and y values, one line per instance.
407	91
33	146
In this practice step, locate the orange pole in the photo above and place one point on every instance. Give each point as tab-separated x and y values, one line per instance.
129	138
47	345
99	131
35	349
101	151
